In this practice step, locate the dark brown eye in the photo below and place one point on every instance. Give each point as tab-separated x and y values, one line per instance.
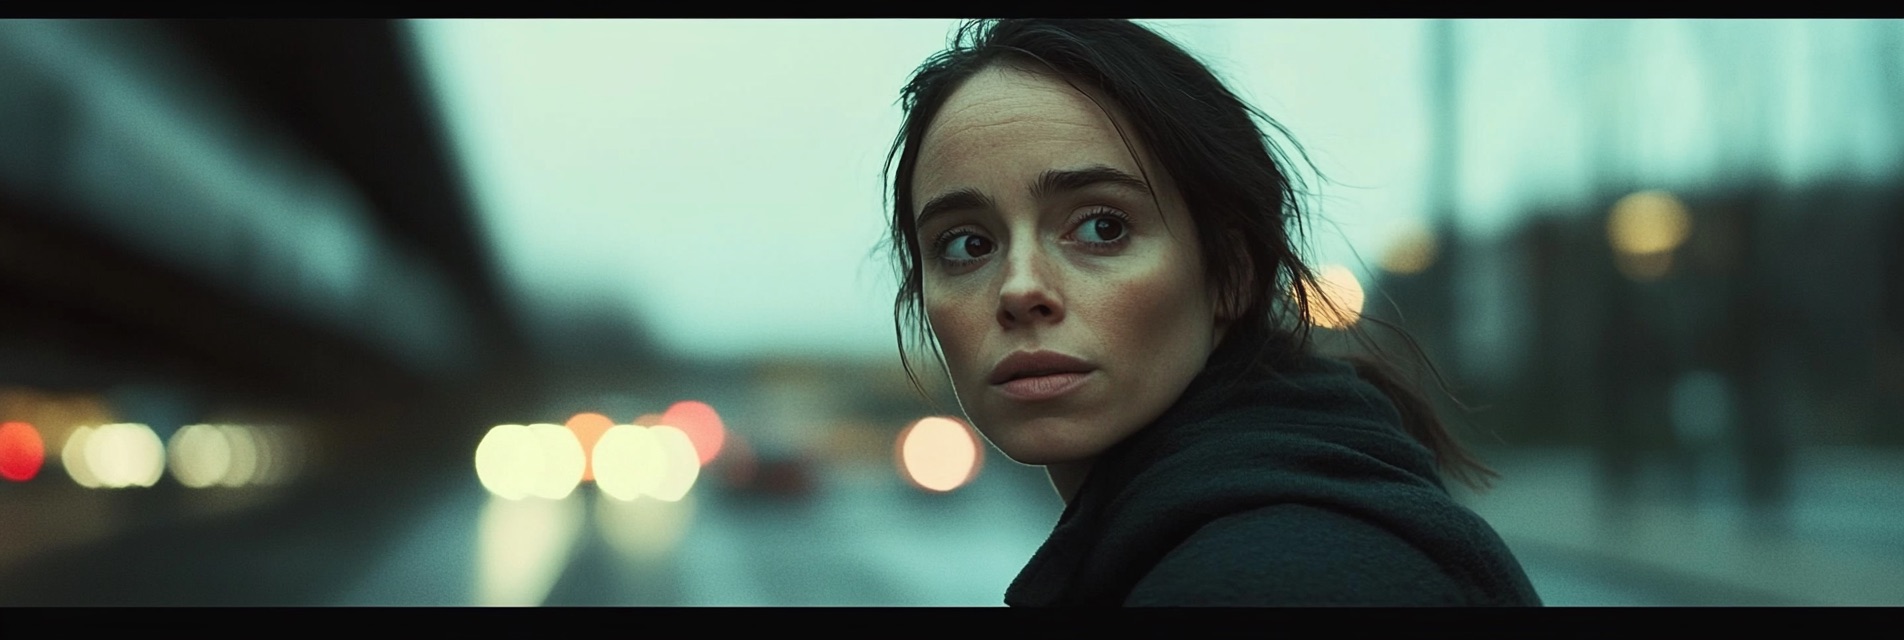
967	246
1102	230
976	246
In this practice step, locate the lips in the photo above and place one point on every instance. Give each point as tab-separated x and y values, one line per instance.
1038	364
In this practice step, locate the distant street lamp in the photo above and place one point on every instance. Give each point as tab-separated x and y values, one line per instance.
1644	229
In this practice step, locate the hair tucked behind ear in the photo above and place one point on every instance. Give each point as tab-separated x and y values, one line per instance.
1246	207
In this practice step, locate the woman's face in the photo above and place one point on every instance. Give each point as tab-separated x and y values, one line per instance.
1071	307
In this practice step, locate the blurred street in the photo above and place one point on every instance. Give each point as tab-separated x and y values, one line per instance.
865	538
1840	543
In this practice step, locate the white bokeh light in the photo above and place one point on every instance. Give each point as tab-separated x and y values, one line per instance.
73	458
200	455
245	456
629	462
562	461
507	460
124	455
681	467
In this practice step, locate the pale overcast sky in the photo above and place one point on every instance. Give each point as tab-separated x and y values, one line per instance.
720	178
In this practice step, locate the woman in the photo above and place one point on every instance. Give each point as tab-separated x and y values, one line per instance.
1097	237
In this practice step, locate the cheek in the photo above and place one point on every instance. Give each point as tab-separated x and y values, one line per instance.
1164	306
955	327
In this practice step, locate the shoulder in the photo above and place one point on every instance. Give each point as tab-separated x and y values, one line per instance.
1295	554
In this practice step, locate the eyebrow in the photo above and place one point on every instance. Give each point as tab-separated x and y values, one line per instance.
956	200
1063	180
1050	182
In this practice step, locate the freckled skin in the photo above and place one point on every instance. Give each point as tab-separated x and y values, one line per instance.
1140	312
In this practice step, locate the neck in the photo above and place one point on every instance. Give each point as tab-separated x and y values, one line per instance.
1066	477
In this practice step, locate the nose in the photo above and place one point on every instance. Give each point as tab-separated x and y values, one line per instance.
1029	294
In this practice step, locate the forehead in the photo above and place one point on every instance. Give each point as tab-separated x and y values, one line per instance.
1010	120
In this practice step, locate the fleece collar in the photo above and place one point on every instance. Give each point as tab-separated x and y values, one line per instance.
1247	433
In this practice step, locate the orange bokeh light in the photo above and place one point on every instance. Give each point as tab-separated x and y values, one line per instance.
588	429
21	451
1335	300
702	425
938	454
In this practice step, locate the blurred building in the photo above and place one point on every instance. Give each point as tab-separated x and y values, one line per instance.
1766	322
236	222
1769	329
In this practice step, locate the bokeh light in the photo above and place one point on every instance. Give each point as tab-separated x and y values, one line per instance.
630	462
200	456
1648	222
54	416
270	455
1336	302
1412	252
701	424
22	452
230	455
507	460
245	456
588	429
275	456
541	460
73	457
124	455
286	454
938	454
562	461
682	464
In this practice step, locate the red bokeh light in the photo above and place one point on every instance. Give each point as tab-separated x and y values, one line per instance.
21	451
702	425
588	428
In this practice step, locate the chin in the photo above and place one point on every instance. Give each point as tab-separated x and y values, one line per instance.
1043	442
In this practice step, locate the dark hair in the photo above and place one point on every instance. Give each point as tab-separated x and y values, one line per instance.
1230	173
